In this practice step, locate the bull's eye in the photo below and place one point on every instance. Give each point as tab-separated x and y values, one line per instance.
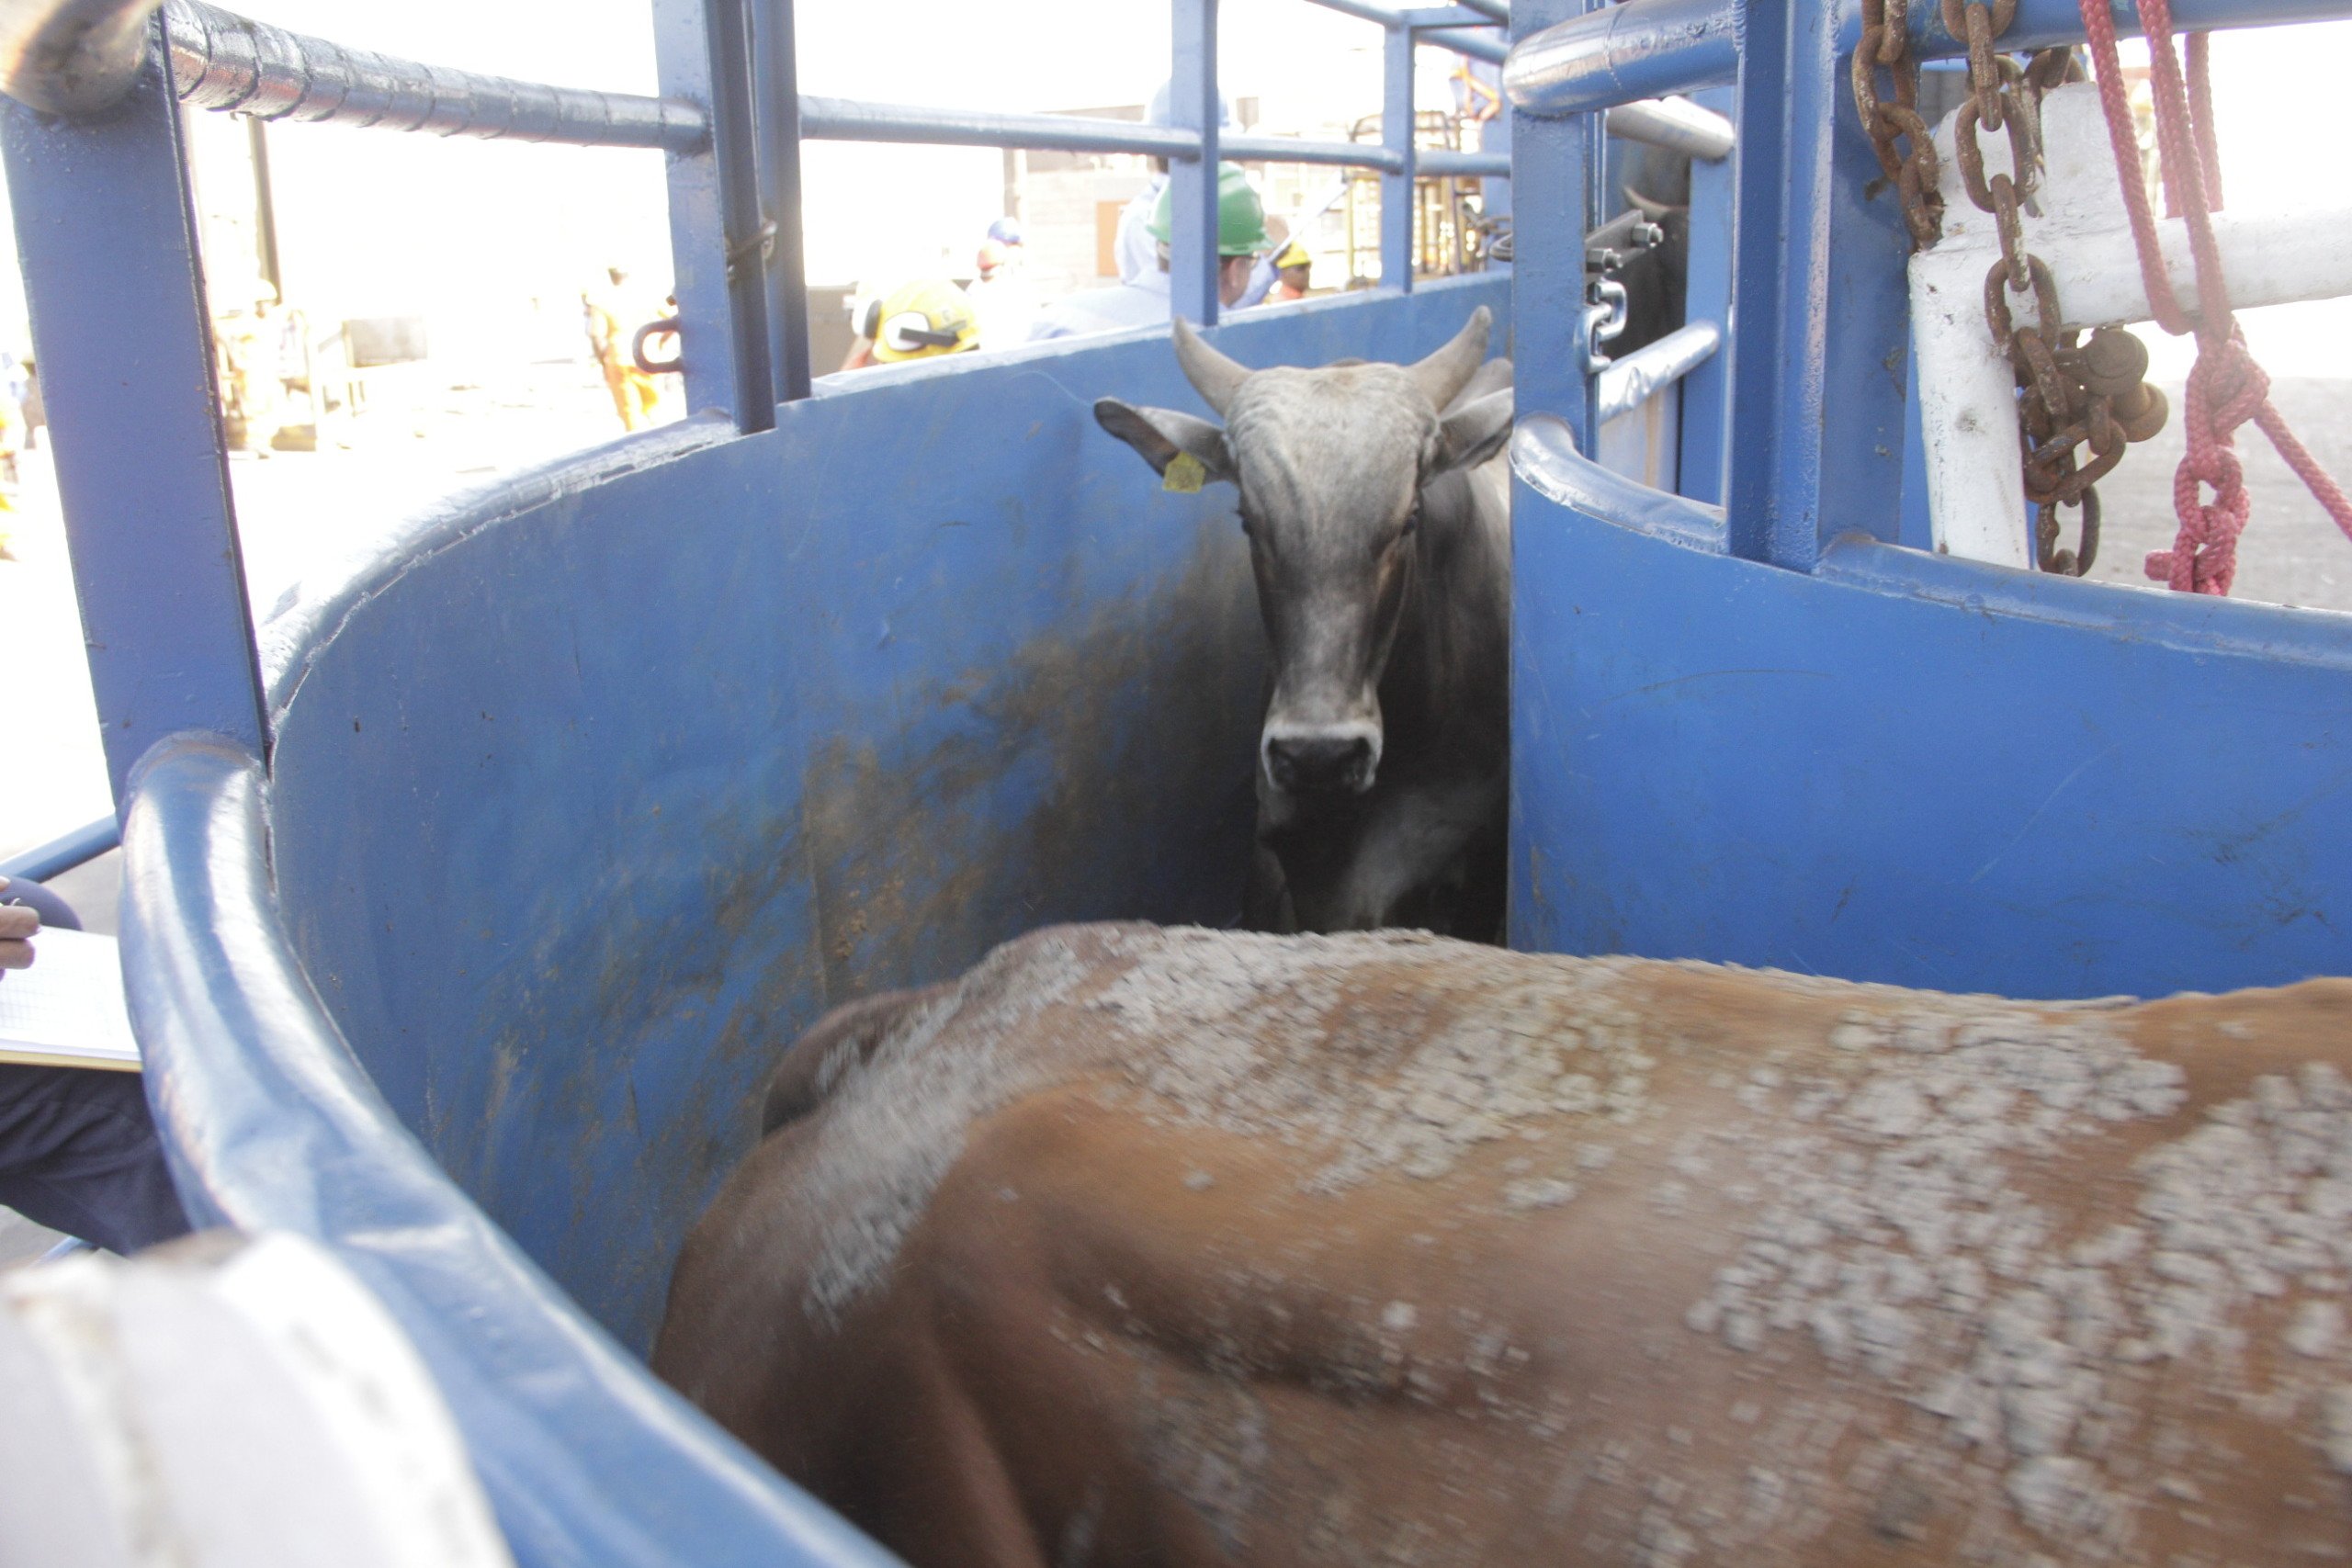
1412	525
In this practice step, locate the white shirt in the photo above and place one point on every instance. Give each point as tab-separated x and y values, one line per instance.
1143	303
1006	305
1136	251
1261	283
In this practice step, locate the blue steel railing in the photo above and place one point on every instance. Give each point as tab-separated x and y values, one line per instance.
106	232
62	853
1651	48
1819	273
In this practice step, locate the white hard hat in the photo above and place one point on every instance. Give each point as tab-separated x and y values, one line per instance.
1156	113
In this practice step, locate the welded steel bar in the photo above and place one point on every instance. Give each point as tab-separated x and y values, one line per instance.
62	853
1397	196
1707	298
1383	15
1647	48
703	48
106	232
849	120
1548	228
221	60
775	77
1479	45
1288	150
1676	124
1819	325
1493	10
1457	28
1444	161
1644	48
1628	383
2043	24
1428	16
1195	105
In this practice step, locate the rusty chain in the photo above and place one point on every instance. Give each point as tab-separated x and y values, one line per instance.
2071	394
1895	117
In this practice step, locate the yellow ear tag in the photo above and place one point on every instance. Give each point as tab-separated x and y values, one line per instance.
1185	474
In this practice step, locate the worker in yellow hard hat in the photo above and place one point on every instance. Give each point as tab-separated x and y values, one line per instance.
1292	267
921	320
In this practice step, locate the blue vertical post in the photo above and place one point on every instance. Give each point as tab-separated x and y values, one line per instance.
1193	103
1708	298
1398	196
106	232
1547	181
1816	392
703	52
776	89
1495	137
1917	530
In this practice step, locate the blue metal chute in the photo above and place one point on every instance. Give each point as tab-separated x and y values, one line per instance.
589	792
656	776
472	894
1906	768
272	1123
1765	733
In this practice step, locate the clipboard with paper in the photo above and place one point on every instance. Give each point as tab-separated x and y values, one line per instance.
66	1009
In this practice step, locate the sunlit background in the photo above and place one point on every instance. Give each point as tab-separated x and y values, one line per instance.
491	247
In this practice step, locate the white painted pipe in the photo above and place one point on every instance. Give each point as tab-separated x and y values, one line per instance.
1626	384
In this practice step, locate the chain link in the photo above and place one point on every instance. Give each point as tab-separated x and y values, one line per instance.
1893	117
2071	395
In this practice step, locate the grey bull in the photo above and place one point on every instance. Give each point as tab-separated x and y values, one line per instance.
1376	501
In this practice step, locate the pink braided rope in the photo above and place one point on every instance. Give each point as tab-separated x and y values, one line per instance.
2226	388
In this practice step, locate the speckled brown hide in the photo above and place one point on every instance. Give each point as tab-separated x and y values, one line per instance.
1187	1248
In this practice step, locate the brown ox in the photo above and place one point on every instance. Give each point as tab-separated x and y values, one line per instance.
1187	1248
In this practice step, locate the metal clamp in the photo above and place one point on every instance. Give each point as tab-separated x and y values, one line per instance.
1604	317
666	327
758	248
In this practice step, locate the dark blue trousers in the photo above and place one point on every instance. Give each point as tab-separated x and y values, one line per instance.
79	1154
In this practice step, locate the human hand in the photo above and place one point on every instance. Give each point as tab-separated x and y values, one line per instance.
18	923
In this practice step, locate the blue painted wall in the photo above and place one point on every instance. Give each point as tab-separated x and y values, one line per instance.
591	795
1911	769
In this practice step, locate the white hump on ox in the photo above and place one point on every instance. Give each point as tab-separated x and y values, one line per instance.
1376	501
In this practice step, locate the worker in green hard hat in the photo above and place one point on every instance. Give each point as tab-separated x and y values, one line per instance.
1240	236
1240	230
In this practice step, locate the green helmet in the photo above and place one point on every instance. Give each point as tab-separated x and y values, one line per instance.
1241	217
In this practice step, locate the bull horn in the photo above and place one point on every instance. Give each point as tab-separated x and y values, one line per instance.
1214	376
1443	374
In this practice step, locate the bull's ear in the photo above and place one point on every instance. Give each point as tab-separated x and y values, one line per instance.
1161	433
1475	430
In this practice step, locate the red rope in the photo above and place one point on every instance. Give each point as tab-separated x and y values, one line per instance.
2201	108
2226	388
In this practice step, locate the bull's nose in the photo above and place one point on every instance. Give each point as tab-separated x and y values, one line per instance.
1320	763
